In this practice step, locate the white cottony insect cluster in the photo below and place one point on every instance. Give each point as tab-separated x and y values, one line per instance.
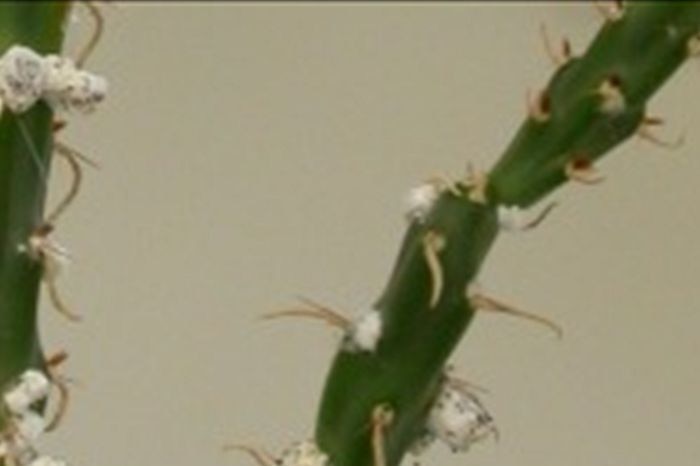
364	333
27	77
420	200
304	453
457	418
24	425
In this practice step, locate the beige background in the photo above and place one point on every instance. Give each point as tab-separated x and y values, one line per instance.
254	152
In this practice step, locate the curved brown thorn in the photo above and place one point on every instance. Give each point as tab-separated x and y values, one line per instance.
58	125
464	385
97	31
433	243
330	318
582	171
534	223
56	359
485	303
538	108
645	133
382	417
58	302
63	403
558	58
262	457
74	189
80	156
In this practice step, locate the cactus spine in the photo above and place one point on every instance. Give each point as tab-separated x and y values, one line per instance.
590	105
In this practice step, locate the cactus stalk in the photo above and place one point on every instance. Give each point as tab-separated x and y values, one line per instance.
26	142
590	105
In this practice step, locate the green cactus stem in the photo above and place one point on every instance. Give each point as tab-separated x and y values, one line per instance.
591	104
25	142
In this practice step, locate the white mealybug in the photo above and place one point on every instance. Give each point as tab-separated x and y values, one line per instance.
458	418
364	333
22	78
86	90
59	77
420	200
47	461
33	386
30	425
305	453
68	88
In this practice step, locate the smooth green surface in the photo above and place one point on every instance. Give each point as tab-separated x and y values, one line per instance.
643	49
38	25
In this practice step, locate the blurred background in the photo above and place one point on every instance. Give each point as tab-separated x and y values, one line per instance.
254	152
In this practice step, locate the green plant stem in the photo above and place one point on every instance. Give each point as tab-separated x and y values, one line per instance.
639	52
25	142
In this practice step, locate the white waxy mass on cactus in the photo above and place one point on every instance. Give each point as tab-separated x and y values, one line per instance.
32	386
420	200
459	419
364	332
22	78
305	453
30	425
26	77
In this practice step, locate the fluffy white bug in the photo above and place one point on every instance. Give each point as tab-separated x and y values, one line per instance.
364	333
420	200
458	418
68	88
32	386
304	453
30	426
22	78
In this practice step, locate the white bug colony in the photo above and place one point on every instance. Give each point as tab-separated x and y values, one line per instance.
420	200
364	333
25	426
457	418
26	77
305	453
